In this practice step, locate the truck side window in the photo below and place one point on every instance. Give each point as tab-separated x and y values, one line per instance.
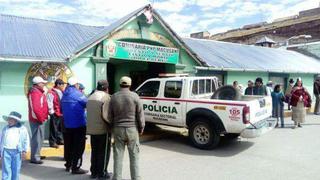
208	86
173	89
201	86
195	87
149	89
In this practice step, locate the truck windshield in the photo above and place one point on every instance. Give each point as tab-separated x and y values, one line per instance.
149	89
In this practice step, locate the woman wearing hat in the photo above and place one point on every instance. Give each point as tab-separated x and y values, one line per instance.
14	143
300	99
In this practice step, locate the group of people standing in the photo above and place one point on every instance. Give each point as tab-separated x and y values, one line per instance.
296	96
72	117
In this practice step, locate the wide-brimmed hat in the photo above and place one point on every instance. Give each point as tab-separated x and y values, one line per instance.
14	115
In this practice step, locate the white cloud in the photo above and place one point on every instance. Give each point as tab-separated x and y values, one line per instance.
36	8
283	10
171	5
111	9
219	29
210	4
23	1
180	23
203	24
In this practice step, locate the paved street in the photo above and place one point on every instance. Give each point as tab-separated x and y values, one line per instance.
281	154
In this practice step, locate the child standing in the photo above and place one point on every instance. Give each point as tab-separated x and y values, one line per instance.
14	143
277	104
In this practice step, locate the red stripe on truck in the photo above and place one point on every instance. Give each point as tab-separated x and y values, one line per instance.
194	101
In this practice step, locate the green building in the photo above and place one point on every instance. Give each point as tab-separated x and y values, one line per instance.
138	45
134	46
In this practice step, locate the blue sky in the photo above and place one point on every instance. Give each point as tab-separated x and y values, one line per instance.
184	16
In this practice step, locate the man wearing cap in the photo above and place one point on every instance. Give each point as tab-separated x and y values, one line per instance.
54	97
98	127
249	89
127	119
73	104
38	114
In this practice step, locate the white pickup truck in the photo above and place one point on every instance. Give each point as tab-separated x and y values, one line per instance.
185	102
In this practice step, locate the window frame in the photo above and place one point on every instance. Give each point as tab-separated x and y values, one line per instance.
170	81
153	81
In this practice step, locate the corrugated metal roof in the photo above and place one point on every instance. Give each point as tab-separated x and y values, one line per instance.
223	56
24	38
36	39
309	49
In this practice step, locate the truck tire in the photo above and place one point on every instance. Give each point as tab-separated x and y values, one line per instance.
226	93
203	135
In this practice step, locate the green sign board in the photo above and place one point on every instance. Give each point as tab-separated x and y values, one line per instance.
140	52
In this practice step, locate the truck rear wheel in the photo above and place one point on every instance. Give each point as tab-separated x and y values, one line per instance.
203	135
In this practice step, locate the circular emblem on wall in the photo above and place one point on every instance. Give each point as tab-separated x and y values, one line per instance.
49	72
111	48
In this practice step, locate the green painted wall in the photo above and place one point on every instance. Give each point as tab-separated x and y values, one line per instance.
12	96
243	77
187	61
83	68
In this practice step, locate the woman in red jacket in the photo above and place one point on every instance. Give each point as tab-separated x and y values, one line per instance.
300	99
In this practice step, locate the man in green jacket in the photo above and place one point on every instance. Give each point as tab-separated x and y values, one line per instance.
127	119
98	128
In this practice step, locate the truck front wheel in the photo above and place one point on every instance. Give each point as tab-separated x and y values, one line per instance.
203	135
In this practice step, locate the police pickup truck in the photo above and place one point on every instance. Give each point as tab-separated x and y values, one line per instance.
186	102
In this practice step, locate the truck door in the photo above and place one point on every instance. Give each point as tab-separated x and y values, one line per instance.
147	92
172	107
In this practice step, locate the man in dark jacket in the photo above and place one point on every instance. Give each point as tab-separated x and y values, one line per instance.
259	88
98	128
127	119
316	92
38	114
249	89
73	105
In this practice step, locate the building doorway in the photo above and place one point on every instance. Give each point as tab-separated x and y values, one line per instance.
139	71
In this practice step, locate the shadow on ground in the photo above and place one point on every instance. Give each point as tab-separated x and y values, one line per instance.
48	172
177	140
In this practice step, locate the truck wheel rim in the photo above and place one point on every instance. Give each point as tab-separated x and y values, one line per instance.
201	134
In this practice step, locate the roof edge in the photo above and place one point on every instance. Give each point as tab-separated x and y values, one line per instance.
251	70
29	59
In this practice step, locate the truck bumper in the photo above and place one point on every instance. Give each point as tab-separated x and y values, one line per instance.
259	128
